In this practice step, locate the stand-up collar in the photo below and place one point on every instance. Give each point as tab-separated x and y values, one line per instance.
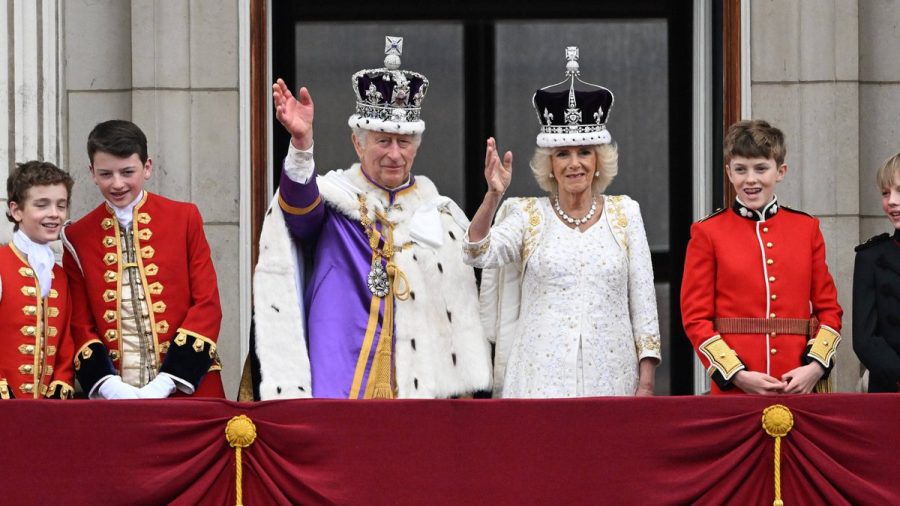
763	214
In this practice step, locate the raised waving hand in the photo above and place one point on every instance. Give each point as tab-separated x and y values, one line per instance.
294	113
498	175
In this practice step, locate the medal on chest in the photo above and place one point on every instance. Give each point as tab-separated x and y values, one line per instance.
378	280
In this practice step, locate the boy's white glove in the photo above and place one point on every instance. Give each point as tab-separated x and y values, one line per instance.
161	387
114	388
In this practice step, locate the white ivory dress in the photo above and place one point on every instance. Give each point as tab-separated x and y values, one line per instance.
586	301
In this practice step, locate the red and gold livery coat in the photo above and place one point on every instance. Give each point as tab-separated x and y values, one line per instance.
755	288
37	349
180	287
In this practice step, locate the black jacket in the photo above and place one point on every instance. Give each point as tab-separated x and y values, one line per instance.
876	310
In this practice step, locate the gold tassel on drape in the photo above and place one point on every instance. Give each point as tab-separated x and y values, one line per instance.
240	432
777	421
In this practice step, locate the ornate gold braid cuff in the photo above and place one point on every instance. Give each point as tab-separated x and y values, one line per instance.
92	363
721	357
5	392
823	347
189	356
60	390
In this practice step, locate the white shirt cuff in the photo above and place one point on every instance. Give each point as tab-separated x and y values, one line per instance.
299	164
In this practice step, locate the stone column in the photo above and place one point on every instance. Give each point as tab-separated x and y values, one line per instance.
30	106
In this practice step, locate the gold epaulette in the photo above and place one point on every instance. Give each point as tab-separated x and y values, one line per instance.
721	356
710	215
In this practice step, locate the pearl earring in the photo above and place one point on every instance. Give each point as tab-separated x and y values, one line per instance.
551	175
597	174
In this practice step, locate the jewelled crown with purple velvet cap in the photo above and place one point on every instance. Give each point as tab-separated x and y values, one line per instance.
389	99
571	117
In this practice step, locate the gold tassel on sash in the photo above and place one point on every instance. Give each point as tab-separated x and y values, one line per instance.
380	384
240	432
777	421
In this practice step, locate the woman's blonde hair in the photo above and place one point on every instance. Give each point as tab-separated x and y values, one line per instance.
884	178
607	164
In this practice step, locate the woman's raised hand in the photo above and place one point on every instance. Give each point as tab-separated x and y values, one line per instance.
497	174
296	115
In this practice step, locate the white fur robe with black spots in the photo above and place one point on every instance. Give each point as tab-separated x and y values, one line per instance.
440	348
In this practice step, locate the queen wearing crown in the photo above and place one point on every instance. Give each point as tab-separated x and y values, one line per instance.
567	292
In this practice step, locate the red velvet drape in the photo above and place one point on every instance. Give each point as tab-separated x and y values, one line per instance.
666	450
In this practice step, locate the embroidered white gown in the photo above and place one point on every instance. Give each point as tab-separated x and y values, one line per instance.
588	305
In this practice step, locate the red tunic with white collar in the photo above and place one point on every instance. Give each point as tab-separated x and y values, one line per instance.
36	351
742	263
179	284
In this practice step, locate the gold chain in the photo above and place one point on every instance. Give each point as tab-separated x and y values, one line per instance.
397	279
386	252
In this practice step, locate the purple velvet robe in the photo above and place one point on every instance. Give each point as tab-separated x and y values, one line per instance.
337	298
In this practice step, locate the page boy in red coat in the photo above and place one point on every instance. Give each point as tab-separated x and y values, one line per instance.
146	311
757	301
36	347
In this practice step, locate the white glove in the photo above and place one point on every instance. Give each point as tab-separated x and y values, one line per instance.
114	388
161	387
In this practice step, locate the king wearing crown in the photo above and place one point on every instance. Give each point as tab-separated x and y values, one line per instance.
360	290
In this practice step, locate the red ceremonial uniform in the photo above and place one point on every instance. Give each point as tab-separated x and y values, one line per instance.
37	349
179	283
752	283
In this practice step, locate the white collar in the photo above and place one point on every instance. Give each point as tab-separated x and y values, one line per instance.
40	257
125	215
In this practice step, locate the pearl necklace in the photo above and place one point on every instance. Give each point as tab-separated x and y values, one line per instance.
576	221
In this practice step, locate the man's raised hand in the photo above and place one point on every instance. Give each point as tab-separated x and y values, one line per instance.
295	114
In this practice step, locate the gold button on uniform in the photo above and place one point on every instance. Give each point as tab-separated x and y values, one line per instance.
769	245
773	351
771	315
771	334
770	261
771	279
774	296
765	230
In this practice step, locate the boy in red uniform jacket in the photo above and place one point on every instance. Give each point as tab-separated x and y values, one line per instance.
36	350
757	301
146	311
